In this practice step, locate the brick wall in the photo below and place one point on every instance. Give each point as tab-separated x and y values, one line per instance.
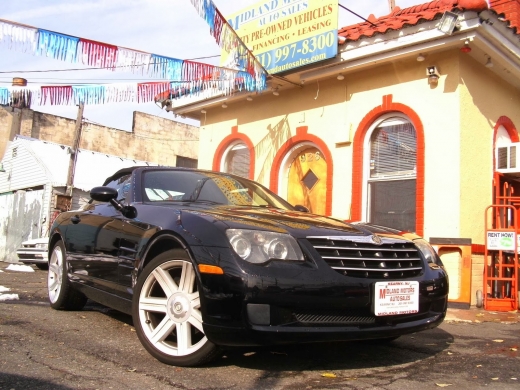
152	138
510	9
477	277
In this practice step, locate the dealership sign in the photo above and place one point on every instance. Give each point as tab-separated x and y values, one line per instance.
395	298
504	240
286	34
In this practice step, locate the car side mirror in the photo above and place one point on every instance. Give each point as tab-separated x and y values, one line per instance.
103	194
301	208
109	194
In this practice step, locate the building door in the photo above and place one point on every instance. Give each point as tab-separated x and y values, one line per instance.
307	184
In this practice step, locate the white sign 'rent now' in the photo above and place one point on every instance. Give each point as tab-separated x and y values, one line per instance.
504	240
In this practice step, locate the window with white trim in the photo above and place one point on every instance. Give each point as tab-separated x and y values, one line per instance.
237	160
391	181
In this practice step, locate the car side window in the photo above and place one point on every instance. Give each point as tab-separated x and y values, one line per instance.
122	185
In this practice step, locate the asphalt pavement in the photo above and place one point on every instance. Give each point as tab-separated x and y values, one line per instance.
97	348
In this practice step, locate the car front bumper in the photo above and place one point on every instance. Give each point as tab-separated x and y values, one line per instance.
294	303
32	255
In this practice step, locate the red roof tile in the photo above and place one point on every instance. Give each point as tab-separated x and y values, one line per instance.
410	16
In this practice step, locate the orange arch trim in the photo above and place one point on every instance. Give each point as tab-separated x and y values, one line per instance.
224	144
358	153
303	136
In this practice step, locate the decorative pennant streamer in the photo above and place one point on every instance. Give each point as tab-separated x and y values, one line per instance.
165	67
189	78
57	46
228	39
132	60
57	95
197	71
88	94
4	96
98	54
18	37
147	91
118	93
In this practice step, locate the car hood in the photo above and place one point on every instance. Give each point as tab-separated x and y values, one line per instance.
35	241
298	224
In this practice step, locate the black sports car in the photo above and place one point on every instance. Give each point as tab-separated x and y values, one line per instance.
204	259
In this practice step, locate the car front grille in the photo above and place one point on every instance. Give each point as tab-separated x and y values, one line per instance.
362	257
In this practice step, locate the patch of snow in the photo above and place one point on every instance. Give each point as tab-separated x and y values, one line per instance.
20	268
8	297
3	289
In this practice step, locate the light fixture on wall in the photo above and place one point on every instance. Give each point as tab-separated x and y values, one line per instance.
202	111
224	105
465	48
275	92
249	99
340	77
433	76
489	63
420	57
449	22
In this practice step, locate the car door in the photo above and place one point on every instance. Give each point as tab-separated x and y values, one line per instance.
135	236
91	244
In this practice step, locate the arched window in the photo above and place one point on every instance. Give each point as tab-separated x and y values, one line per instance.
237	160
391	180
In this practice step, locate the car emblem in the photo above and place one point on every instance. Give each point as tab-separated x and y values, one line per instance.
377	240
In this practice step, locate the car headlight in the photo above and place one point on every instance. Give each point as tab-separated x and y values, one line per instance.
42	246
428	252
258	246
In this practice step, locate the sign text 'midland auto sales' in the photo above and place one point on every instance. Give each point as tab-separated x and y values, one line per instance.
286	34
397	297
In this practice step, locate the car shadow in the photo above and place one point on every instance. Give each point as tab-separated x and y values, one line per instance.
277	360
11	381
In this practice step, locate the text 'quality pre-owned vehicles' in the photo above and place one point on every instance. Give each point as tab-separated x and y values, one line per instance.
204	259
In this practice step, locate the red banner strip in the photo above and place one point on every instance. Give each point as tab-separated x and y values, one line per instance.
98	54
61	95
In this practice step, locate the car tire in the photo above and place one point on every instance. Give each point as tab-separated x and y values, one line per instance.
166	304
61	295
42	266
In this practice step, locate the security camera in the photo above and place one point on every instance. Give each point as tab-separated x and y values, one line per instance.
432	70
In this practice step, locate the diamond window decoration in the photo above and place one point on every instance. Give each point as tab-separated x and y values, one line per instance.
310	179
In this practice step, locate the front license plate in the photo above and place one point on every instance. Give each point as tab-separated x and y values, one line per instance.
394	298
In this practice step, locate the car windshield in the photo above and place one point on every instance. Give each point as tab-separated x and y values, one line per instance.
189	186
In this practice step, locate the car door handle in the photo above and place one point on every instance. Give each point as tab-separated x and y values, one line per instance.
75	219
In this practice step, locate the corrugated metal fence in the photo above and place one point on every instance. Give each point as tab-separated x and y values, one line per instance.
20	219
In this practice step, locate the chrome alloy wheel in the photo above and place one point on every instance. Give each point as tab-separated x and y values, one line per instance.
169	309
55	275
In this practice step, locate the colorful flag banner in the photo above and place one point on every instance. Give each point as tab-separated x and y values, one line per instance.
191	77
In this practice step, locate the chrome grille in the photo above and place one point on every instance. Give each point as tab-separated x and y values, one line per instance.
360	257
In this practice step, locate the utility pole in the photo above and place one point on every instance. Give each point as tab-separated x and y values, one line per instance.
75	146
391	5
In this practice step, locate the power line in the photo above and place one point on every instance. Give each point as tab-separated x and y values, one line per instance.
359	16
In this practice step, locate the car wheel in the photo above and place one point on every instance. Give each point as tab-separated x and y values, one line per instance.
61	295
42	266
167	311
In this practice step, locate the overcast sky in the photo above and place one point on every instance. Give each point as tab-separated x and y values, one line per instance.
170	28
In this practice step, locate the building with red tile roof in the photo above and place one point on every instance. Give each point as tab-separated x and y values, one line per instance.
413	125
